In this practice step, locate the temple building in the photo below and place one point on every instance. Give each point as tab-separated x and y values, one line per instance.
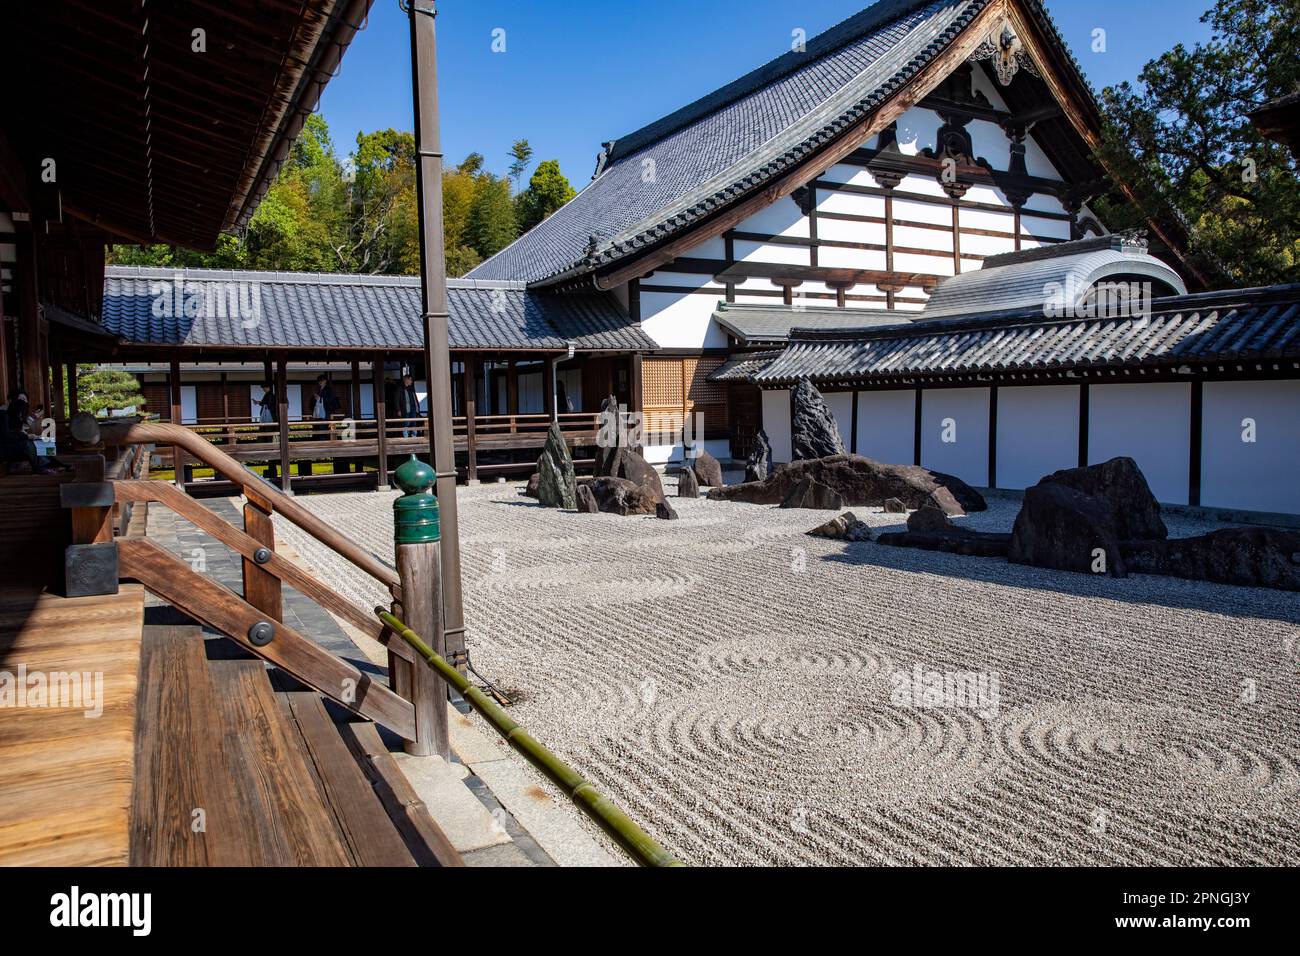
920	178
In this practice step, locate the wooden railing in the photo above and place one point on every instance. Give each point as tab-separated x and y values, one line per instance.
101	555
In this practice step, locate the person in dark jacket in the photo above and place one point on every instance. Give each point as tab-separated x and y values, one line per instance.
408	406
268	406
15	444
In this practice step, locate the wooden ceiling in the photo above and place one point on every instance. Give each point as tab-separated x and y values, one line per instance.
154	139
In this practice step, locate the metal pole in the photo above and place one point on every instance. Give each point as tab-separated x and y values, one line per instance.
437	354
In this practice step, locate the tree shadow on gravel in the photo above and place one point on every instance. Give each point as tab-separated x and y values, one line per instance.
1205	596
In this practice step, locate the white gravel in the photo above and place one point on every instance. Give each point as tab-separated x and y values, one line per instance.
730	682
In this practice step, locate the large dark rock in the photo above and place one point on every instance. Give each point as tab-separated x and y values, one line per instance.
859	481
627	463
813	432
687	485
1120	484
530	489
557	483
586	500
666	511
845	527
929	517
810	493
981	544
620	496
707	469
610	436
759	463
1255	557
1063	528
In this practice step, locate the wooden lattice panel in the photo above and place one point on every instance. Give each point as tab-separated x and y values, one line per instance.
662	383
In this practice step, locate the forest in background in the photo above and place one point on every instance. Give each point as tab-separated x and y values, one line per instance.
358	214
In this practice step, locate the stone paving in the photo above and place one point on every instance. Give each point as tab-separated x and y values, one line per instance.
753	695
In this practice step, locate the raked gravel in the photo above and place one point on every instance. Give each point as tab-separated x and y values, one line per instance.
731	683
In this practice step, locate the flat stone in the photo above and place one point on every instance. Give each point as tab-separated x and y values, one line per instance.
1253	557
894	507
860	481
622	497
467	823
929	517
845	527
983	544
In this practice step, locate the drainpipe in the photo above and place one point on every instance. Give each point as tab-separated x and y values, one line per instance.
433	287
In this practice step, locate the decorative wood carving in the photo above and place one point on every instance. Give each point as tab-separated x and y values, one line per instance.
1006	53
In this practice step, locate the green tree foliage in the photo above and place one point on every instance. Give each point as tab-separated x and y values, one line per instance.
491	226
107	390
359	214
521	155
1183	141
547	191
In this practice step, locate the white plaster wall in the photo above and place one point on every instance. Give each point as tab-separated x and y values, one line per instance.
719	448
887	425
841	406
776	422
968	456
1263	475
1038	432
1149	423
782	218
681	320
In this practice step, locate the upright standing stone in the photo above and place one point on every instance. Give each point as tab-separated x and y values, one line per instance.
557	485
707	469
687	485
813	432
760	458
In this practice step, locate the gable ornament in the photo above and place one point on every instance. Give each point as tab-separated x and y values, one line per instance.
1006	52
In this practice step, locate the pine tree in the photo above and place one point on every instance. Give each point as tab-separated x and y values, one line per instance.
107	390
547	191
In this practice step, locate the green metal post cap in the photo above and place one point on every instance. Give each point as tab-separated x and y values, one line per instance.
415	513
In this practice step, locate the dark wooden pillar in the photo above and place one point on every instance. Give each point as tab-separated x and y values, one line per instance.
30	369
381	420
57	408
549	396
72	389
282	396
174	389
637	382
471	404
512	387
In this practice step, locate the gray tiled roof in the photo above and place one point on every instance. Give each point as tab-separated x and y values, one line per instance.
730	143
1238	325
1020	280
310	310
764	324
742	367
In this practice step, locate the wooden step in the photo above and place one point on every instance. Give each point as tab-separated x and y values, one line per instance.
286	815
185	811
361	818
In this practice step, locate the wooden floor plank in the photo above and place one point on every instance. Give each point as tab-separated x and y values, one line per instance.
186	811
422	835
66	778
270	772
363	821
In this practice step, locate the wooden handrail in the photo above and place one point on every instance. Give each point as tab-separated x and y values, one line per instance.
254	487
215	605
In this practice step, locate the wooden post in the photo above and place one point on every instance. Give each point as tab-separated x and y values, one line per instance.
637	383
549	390
419	566
58	410
282	397
381	419
72	390
471	405
512	389
178	456
28	326
261	587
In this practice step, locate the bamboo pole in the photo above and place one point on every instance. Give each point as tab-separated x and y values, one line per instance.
635	841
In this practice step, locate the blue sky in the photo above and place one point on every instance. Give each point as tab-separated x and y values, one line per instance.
578	72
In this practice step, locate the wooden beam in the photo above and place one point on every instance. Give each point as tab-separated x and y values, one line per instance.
174	390
471	402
